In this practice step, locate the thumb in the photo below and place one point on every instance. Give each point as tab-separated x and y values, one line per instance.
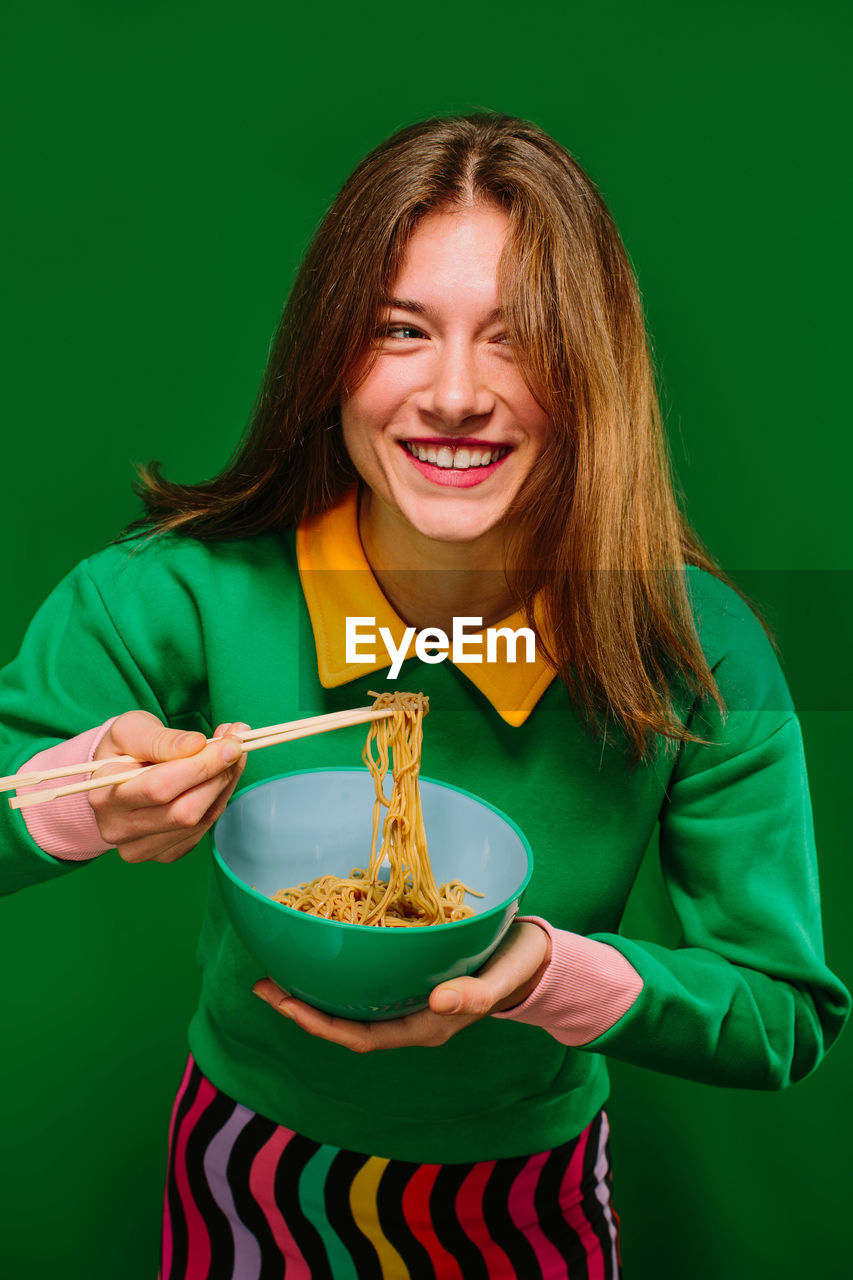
140	734
507	977
463	995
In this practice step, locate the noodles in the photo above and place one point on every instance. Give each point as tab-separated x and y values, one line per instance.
410	896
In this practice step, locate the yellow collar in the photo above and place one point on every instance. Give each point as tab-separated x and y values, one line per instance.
337	582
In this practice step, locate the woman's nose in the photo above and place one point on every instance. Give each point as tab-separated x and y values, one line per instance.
457	390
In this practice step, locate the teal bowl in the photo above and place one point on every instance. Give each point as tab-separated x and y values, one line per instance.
299	826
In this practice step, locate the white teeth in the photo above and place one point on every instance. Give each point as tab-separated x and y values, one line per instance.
460	459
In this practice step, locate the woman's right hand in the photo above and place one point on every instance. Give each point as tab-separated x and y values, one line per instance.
165	812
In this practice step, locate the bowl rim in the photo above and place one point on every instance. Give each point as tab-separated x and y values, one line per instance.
373	930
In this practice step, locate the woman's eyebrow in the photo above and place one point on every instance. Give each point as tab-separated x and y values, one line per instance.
421	309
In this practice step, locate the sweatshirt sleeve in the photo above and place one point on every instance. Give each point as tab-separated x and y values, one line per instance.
587	986
65	827
73	671
746	1000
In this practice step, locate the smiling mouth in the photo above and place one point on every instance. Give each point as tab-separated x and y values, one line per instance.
455	457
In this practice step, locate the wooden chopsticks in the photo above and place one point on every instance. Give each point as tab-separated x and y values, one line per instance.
253	740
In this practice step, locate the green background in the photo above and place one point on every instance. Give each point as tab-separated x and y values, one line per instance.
168	163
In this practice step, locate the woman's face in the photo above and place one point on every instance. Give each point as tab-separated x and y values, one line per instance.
444	430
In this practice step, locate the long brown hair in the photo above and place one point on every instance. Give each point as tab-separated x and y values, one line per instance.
600	542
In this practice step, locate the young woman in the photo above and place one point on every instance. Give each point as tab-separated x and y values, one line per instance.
458	420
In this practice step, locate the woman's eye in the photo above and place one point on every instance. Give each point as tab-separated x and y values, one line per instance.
401	331
502	340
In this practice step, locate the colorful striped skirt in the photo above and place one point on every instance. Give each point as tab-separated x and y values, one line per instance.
247	1199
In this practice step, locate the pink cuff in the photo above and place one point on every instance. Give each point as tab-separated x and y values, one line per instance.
585	989
65	828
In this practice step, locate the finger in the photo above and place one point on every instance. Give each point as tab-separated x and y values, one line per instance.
161	848
236	770
188	840
219	805
175	852
342	1031
169	845
237	727
121	821
160	784
201	806
424	1029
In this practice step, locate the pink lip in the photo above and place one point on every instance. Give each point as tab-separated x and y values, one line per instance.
449	477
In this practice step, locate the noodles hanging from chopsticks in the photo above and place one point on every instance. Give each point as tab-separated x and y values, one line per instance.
410	896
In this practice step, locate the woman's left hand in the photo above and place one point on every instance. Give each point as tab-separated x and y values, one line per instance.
507	978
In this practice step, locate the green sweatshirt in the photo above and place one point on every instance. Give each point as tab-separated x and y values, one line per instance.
200	634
